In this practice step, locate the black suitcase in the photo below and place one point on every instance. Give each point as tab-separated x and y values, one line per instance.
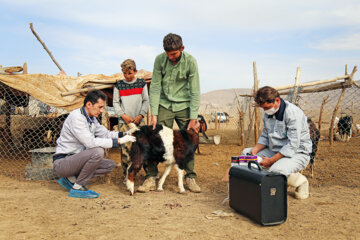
258	194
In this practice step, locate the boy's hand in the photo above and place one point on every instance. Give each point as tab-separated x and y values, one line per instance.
138	119
153	121
127	118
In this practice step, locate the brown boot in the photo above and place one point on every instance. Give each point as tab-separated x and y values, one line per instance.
193	187
148	185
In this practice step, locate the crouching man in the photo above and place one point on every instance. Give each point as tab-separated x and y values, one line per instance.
79	153
285	143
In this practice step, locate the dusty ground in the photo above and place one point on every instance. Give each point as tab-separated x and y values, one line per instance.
42	210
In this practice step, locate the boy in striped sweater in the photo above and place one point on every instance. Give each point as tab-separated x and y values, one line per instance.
131	103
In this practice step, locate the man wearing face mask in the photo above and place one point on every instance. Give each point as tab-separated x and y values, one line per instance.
285	143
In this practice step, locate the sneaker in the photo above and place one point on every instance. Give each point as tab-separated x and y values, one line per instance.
65	183
148	185
83	192
193	187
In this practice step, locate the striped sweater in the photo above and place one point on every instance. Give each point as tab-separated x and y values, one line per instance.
130	98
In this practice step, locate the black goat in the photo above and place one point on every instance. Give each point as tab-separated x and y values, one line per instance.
344	127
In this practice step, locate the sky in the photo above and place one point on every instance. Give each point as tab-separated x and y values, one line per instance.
225	37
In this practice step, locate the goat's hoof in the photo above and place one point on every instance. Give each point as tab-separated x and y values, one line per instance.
182	192
160	190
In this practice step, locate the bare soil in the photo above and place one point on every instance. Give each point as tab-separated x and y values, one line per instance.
42	209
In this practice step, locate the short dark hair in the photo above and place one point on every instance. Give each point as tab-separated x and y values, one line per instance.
94	95
266	95
172	42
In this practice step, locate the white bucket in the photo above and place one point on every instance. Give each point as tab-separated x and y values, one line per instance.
217	139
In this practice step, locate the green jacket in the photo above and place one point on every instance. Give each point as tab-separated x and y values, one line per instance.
176	86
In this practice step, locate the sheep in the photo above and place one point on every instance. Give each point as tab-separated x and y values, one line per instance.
344	127
162	145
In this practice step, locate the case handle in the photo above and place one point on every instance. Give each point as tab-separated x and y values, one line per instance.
258	165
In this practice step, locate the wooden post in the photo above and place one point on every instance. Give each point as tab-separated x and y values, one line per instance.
148	118
256	110
241	116
251	118
25	70
324	101
105	121
241	120
216	121
296	86
331	130
47	50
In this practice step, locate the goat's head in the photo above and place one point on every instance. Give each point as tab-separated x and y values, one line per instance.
203	125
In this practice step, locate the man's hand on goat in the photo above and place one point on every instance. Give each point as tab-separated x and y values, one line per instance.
126	138
194	125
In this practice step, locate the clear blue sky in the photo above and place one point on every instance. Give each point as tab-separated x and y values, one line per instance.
224	36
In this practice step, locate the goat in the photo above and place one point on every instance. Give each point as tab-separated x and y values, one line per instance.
315	137
344	127
162	145
203	128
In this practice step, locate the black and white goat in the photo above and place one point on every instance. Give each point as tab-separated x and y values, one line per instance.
162	145
345	127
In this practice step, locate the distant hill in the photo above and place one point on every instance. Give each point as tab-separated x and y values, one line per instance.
221	99
225	100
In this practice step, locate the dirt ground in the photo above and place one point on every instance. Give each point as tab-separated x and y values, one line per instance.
42	209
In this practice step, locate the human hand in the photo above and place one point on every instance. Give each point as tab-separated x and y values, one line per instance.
153	121
194	125
127	118
266	162
126	138
138	119
253	152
